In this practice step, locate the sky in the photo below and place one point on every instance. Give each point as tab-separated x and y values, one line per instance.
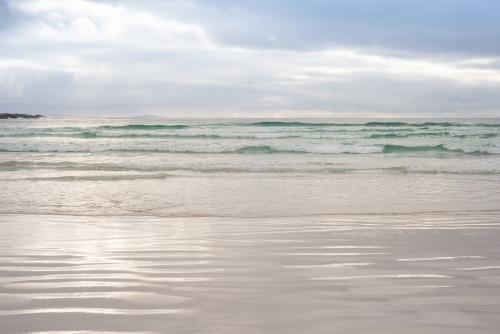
227	58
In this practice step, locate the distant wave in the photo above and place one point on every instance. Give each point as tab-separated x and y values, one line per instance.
436	148
303	124
424	124
96	134
369	124
144	127
258	136
431	134
251	149
292	124
406	135
411	149
259	149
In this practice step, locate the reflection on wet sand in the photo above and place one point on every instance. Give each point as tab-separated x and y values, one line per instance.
370	274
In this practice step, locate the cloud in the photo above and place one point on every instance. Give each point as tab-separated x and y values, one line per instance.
88	23
226	58
6	17
414	26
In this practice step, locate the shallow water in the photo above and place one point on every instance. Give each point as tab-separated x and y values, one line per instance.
343	274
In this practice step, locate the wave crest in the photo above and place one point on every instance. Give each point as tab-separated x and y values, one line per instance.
144	127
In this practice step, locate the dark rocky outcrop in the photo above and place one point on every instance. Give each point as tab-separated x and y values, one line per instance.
7	115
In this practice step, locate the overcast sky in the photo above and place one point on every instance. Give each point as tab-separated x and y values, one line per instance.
256	58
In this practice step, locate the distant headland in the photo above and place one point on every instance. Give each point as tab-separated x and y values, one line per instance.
6	115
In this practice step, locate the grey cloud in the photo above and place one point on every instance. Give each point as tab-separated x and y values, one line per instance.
442	26
6	15
128	94
390	26
31	90
274	70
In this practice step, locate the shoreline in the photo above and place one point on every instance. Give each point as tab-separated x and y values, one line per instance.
487	212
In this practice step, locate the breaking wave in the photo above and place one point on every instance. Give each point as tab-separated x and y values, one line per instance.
256	149
144	127
369	124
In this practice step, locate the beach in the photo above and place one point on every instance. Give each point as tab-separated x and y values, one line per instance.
249	226
249	167
345	274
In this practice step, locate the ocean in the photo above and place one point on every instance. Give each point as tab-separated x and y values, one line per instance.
248	168
237	226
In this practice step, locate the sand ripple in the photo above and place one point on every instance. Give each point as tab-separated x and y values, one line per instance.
373	274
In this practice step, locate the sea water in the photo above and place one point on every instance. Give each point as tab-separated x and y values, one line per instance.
248	168
249	226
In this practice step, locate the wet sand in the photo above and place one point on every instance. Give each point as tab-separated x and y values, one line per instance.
339	274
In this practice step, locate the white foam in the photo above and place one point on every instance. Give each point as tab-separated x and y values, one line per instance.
338	149
346	278
437	258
